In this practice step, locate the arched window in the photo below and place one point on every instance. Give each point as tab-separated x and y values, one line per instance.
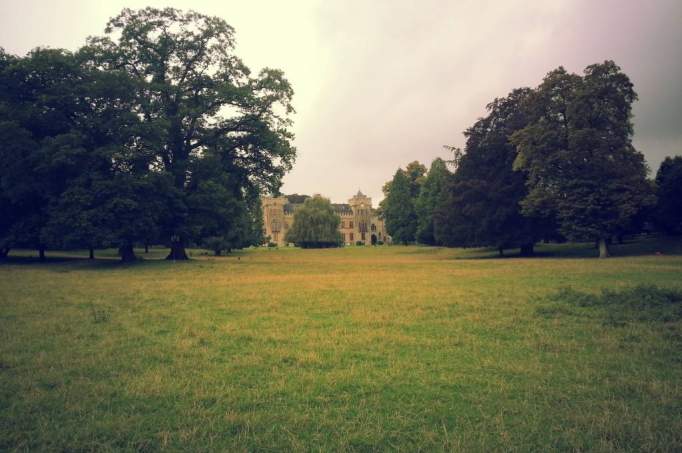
374	227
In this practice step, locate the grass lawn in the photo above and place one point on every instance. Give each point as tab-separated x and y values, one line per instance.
358	349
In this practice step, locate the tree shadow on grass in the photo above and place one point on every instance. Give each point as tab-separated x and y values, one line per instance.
66	261
640	246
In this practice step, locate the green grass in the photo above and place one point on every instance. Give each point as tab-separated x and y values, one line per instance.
355	349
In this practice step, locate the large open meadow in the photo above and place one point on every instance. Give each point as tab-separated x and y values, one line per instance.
353	349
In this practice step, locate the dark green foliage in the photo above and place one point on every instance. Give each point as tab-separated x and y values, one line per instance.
668	211
295	198
415	173
159	134
62	124
215	132
401	208
316	225
577	151
398	208
430	197
481	203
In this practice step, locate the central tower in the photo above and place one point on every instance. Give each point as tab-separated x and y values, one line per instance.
361	205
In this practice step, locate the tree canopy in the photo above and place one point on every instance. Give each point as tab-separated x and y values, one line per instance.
481	203
398	208
578	154
430	197
551	162
209	123
668	210
316	225
154	132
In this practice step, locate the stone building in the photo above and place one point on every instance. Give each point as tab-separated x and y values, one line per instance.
359	221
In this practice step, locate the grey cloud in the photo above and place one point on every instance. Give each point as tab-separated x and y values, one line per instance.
382	83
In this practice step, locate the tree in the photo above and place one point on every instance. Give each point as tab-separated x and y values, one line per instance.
197	101
416	174
430	197
481	202
297	199
41	105
398	209
316	225
578	153
66	172
668	210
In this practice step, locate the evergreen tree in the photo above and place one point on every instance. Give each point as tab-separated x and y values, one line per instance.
416	173
430	197
481	204
398	209
668	211
316	225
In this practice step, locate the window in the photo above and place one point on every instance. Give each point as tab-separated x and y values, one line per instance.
363	235
351	236
374	227
343	224
351	226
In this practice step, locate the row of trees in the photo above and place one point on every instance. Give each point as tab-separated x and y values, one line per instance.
553	162
153	133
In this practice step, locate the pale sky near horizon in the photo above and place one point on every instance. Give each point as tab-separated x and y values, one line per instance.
382	83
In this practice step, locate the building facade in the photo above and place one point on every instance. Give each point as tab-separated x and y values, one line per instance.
360	222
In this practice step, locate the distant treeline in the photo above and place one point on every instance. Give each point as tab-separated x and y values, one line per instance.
551	163
153	134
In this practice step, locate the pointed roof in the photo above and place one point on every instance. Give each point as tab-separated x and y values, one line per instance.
360	194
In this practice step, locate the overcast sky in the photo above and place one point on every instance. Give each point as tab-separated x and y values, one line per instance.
382	83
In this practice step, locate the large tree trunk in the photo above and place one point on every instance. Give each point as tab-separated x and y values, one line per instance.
91	254
146	248
603	248
177	251
527	249
127	253
41	252
500	250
